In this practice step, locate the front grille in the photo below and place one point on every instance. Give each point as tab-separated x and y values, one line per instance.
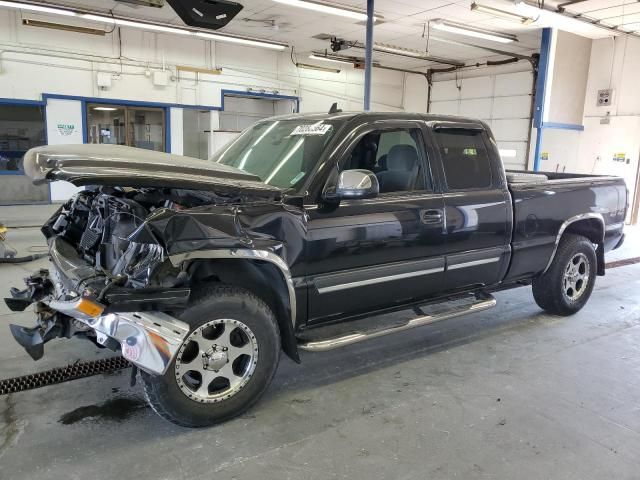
89	239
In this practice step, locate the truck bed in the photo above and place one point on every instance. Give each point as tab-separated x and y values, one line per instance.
523	176
544	201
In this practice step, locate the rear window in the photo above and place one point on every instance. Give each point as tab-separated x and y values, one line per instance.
465	159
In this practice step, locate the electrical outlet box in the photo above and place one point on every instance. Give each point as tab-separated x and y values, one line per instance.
103	79
161	78
604	97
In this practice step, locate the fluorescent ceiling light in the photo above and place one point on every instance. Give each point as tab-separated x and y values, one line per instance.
105	109
308	66
399	50
476	7
242	41
37	8
406	52
314	56
143	25
473	32
546	18
64	27
327	8
129	23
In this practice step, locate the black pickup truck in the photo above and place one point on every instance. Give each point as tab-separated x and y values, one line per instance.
200	273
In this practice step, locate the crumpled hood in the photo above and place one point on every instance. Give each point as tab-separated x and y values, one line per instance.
120	166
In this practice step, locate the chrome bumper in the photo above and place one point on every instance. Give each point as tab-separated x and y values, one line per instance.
149	340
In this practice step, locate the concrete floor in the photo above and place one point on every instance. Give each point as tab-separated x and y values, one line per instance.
507	393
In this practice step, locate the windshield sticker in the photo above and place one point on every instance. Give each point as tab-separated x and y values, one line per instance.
313	129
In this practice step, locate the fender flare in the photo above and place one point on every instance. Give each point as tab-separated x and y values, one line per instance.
566	224
252	255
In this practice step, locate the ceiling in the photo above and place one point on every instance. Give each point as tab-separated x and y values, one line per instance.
403	24
624	14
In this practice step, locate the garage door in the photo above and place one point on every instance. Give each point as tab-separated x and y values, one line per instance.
503	101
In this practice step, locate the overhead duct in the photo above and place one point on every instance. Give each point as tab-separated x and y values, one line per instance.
213	14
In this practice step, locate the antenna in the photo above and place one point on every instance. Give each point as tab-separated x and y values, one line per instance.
334	108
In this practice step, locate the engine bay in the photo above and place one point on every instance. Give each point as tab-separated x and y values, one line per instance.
99	222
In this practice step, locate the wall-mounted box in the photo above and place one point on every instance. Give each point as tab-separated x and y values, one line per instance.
605	97
103	80
161	78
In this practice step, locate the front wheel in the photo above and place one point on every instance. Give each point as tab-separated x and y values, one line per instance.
567	285
224	365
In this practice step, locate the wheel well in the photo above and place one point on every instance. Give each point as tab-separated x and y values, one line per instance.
592	229
261	278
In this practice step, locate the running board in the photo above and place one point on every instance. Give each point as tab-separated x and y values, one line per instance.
483	303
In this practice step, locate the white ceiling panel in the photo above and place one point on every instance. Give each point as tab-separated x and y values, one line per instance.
402	25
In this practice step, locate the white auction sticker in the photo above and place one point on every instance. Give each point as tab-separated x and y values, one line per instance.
313	129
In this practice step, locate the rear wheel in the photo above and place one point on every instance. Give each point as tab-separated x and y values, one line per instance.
567	285
226	362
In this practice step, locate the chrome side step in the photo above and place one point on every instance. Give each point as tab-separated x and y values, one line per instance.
483	303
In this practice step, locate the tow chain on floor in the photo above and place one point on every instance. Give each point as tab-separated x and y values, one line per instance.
62	374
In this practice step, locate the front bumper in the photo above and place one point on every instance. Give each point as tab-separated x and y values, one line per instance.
149	340
129	320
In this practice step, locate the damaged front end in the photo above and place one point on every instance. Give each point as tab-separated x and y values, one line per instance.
75	301
120	249
109	281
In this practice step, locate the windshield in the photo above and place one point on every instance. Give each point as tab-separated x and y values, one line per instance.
281	152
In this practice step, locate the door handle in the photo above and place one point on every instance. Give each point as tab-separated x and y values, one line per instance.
432	216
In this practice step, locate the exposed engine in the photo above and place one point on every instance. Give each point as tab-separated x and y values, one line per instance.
98	222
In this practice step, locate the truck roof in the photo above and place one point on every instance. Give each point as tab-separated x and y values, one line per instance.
372	116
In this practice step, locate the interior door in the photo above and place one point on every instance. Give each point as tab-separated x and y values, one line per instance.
477	207
372	254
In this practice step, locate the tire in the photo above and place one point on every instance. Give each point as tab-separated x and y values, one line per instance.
241	317
565	295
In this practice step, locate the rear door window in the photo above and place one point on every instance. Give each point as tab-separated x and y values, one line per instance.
465	159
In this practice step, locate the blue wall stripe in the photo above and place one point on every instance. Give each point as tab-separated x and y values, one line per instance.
563	126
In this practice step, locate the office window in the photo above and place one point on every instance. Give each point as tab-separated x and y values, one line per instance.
141	127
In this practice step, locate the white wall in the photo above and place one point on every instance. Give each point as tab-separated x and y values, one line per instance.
568	79
610	132
613	131
615	63
564	102
34	61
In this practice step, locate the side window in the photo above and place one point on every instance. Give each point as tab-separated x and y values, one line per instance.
465	159
395	156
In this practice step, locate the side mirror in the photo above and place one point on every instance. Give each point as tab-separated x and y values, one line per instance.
351	184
